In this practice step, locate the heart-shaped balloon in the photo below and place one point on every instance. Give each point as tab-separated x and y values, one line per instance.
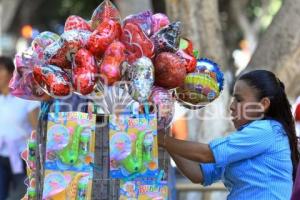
190	61
84	71
73	41
141	78
143	19
159	21
107	31
106	10
167	38
187	46
22	84
74	22
61	52
110	66
136	42
43	40
53	80
164	103
169	70
55	54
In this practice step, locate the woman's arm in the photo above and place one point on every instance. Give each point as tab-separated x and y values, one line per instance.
193	151
188	168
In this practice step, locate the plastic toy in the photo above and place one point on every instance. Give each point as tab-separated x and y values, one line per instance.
69	155
134	163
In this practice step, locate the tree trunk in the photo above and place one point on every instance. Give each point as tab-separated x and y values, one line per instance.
279	47
130	7
201	24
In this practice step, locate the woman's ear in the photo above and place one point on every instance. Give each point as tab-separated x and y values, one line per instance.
265	103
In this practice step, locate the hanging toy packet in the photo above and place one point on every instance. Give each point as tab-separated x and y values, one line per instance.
70	141
143	190
60	185
133	146
69	156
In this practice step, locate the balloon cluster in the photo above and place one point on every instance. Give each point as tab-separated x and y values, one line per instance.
145	50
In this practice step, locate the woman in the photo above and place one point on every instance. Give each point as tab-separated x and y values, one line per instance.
259	160
17	118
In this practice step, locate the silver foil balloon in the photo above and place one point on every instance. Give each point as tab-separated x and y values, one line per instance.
140	76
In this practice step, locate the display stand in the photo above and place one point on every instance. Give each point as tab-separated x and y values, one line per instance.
104	187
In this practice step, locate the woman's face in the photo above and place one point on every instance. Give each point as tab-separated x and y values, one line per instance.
5	76
245	106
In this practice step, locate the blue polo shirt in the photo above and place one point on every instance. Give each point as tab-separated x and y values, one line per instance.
254	162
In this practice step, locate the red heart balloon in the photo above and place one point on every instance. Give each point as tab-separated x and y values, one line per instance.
103	36
106	10
113	57
52	79
84	72
169	70
190	61
61	53
55	54
136	42
74	22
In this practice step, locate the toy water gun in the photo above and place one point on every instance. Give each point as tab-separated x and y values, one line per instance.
134	162
69	154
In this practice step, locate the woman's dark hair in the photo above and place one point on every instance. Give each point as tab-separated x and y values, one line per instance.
7	63
268	85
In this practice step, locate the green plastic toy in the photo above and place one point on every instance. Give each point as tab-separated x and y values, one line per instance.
134	163
69	155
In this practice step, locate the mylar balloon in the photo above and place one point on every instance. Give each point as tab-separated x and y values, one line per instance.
107	31
53	80
169	70
141	77
61	52
22	84
164	103
201	86
205	65
143	19
106	10
159	21
136	42
190	61
113	58
167	38
187	46
84	71
74	22
43	40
